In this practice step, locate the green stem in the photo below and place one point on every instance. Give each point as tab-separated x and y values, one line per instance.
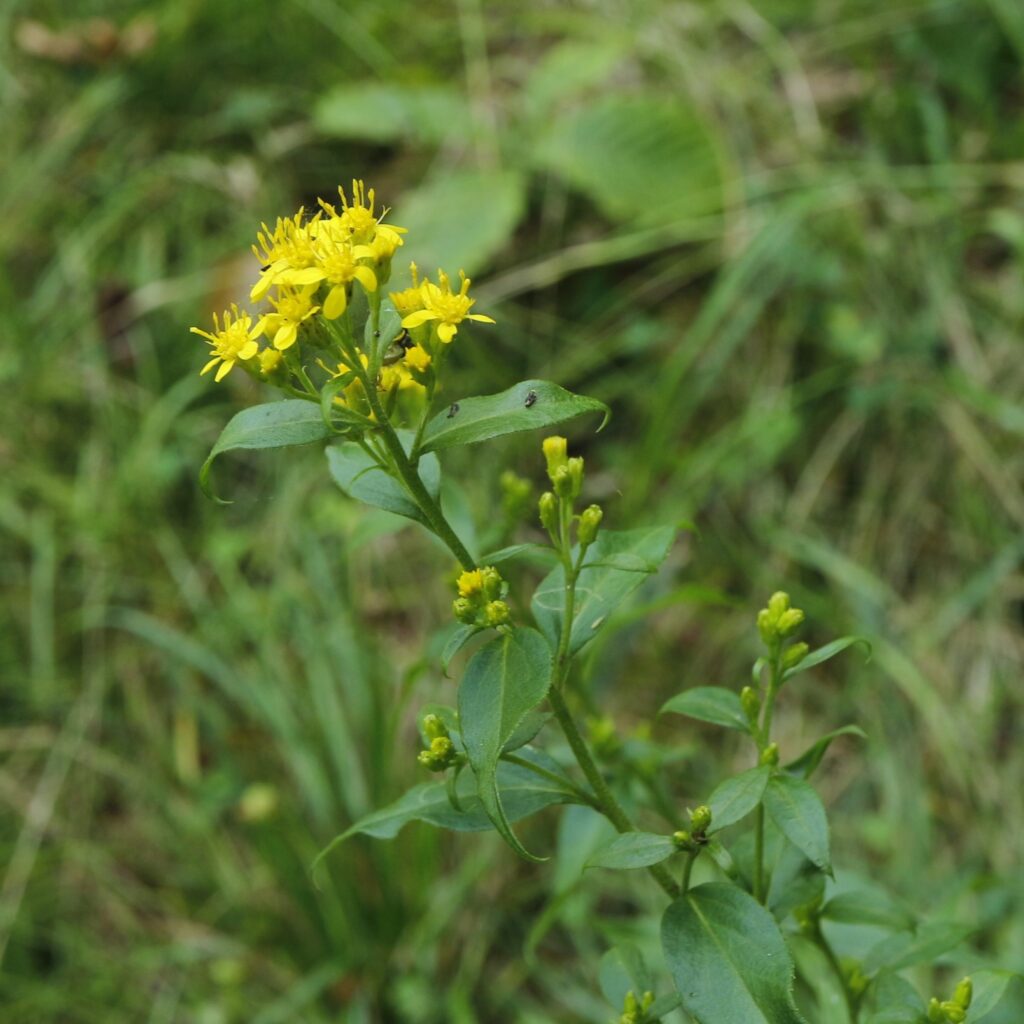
759	893
687	869
764	741
823	944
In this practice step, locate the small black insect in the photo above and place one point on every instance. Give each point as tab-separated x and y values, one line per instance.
453	410
531	397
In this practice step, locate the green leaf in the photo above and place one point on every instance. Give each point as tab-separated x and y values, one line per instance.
459	636
797	810
867	906
989	988
338	417
389	327
542	554
893	1000
824	653
633	850
273	425
737	797
606	147
526	731
599	591
523	793
389	112
356	473
461	220
806	764
712	704
623	970
909	948
504	680
728	959
529	405
721	856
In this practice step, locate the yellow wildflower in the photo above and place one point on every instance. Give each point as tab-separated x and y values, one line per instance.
286	254
337	264
235	341
417	358
292	307
386	240
409	300
470	582
446	307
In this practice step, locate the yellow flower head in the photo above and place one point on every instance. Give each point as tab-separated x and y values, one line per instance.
417	358
409	300
446	307
234	341
286	254
470	583
337	263
292	307
386	240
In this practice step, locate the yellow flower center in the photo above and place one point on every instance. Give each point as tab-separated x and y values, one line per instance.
288	241
471	583
233	338
338	263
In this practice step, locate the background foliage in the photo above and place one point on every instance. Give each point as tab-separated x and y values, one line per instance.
783	241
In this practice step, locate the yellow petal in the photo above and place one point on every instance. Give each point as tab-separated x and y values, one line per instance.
310	275
286	335
335	303
202	333
225	369
421	316
248	350
366	278
210	365
262	286
480	318
446	332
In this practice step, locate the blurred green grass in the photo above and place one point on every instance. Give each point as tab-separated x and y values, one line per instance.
784	243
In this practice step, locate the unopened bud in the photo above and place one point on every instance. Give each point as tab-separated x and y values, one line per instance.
462	609
935	1014
556	453
548	507
770	754
492	582
778	603
576	475
433	727
766	626
590	520
751	704
789	622
562	479
954	1012
963	992
795	654
682	839
700	819
496	613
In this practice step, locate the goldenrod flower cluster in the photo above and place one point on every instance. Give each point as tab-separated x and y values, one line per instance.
480	598
311	269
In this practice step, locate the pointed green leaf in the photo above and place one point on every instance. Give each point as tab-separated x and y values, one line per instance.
356	473
867	906
737	797
893	1000
529	405
542	554
806	764
599	590
825	653
458	637
273	425
503	682
909	948
377	340
390	111
526	731
989	988
712	704
633	850
727	958
797	810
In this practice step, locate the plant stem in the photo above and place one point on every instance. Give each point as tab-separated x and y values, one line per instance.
687	869
823	944
759	893
763	742
584	796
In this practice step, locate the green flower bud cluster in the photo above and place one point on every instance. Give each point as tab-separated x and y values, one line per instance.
695	837
770	755
778	620
441	754
555	506
634	1011
952	1011
480	598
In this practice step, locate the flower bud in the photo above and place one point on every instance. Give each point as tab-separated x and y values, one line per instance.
963	992
935	1014
462	609
955	1013
789	622
548	506
496	613
575	467
700	819
795	654
683	840
770	754
751	704
470	583
590	520
766	626
562	479
556	453
777	604
433	727
492	582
